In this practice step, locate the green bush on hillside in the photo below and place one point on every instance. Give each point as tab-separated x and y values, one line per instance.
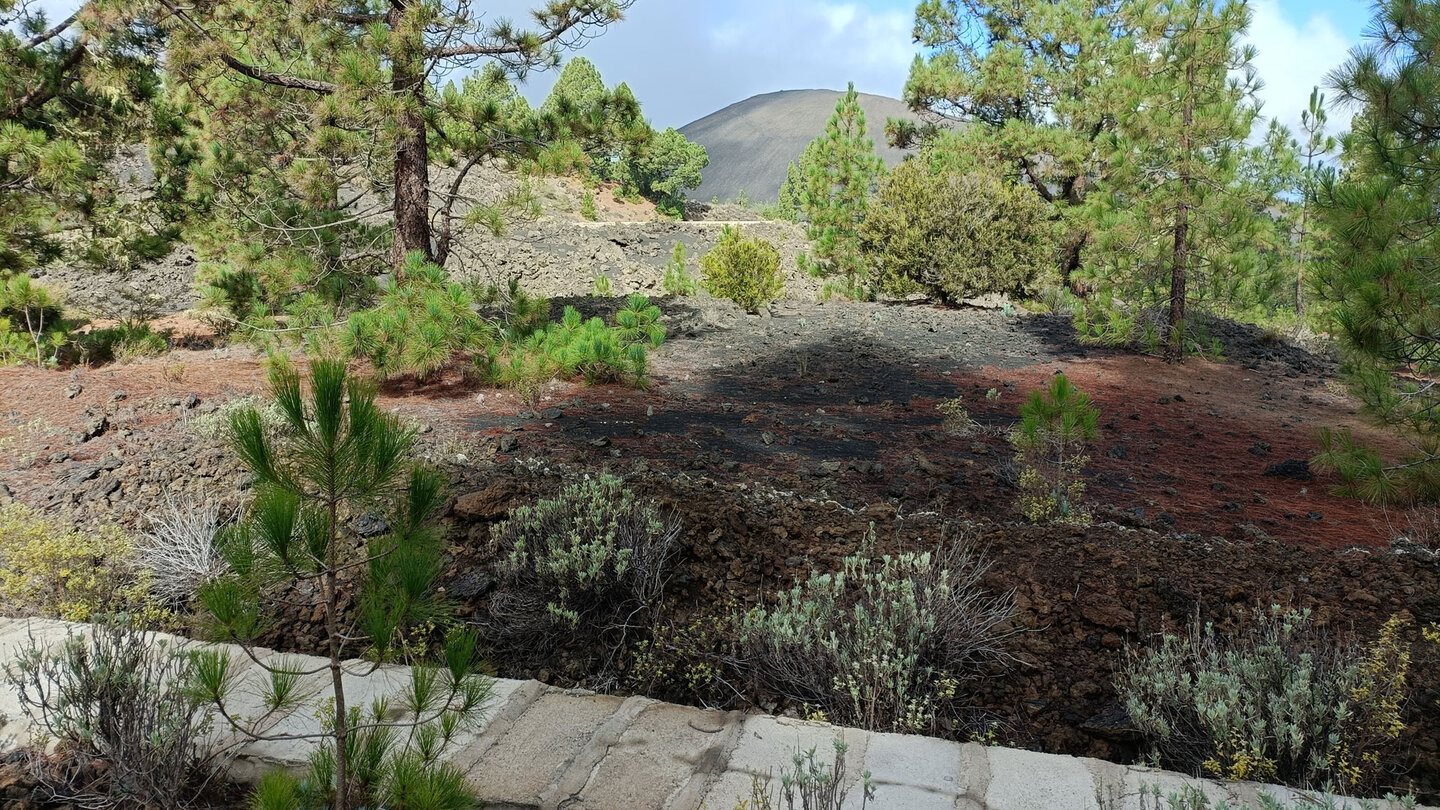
419	325
956	234
745	270
577	346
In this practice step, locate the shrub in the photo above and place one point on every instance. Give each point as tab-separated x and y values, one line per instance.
1276	700
577	346
1055	428
123	697
957	421
123	342
684	663
956	235
678	280
587	206
809	784
1192	797
883	643
589	565
180	548
515	313
47	569
215	425
419	325
747	271
602	287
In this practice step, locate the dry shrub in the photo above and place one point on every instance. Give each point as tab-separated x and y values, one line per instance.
179	549
123	697
585	568
885	643
1276	700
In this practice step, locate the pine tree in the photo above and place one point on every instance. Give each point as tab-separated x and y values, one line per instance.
788	205
667	165
336	455
578	86
1318	144
71	92
1031	81
1380	271
620	144
838	171
311	101
1184	107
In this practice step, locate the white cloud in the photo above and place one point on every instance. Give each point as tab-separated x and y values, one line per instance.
814	43
1293	58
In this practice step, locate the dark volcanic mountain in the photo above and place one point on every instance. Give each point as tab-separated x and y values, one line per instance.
753	141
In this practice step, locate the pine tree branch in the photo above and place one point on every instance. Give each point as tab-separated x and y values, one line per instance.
251	71
42	93
46	36
277	79
513	47
352	18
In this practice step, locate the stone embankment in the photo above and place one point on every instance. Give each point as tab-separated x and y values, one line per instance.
542	748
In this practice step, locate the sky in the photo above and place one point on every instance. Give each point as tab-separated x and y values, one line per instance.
688	58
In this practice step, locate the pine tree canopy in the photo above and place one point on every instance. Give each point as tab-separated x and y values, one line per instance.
1382	269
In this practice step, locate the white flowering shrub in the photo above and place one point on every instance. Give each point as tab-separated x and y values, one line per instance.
585	568
215	425
883	643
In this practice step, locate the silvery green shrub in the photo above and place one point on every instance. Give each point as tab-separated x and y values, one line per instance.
885	642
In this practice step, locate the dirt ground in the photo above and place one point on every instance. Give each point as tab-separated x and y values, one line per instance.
781	440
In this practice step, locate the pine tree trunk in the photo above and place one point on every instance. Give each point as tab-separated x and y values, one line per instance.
412	153
1175	349
1300	266
331	596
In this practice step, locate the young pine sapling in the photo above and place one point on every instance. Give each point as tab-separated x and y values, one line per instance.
337	454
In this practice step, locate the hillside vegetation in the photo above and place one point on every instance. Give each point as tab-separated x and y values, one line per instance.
1070	406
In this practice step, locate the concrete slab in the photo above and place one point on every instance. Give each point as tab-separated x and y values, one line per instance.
1025	780
655	757
539	747
503	712
922	773
15	637
768	744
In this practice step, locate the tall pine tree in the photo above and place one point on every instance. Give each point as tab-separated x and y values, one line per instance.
837	172
1318	145
320	101
1031	80
72	91
1381	271
1184	107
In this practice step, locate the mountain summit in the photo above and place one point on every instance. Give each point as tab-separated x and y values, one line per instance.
751	142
